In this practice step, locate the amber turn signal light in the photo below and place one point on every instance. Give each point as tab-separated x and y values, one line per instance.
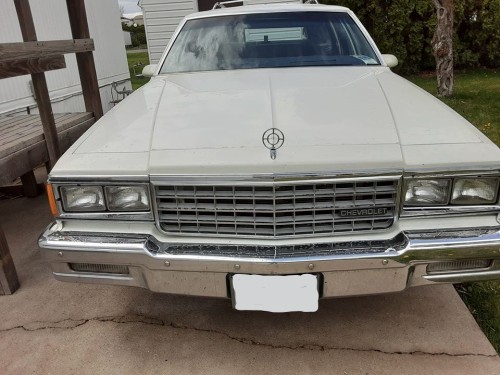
52	200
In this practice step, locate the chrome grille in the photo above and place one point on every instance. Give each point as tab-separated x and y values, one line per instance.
283	251
276	210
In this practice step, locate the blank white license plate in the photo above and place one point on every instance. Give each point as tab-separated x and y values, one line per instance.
275	293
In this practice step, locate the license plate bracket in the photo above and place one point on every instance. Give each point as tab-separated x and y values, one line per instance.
283	293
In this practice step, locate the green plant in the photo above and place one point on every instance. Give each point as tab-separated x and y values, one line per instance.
137	34
483	301
136	58
405	29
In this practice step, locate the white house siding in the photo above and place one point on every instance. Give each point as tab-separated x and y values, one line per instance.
161	18
52	23
127	38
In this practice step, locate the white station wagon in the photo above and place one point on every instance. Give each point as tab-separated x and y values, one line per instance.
274	159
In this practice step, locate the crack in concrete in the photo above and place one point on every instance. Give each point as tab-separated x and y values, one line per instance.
72	324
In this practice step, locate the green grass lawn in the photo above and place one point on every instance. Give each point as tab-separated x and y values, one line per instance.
135	58
477	98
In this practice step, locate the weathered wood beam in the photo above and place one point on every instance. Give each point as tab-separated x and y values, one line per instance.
14	68
24	13
36	49
24	160
85	60
30	186
23	134
9	282
39	84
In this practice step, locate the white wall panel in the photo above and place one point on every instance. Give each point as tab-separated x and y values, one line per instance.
52	23
161	32
171	5
161	18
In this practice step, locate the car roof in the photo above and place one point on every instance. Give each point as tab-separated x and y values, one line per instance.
267	8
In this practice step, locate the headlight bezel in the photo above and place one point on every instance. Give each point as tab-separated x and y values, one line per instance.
126	215
450	209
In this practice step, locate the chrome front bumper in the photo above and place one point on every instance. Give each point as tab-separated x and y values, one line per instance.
346	269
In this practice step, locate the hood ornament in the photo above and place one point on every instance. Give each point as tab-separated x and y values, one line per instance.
273	139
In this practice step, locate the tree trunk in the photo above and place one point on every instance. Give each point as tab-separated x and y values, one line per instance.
442	47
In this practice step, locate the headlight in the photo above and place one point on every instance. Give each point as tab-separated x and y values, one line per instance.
427	192
475	191
82	198
127	198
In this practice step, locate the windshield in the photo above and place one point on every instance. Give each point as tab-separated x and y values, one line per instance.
269	40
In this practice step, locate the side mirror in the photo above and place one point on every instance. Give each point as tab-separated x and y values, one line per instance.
149	70
390	60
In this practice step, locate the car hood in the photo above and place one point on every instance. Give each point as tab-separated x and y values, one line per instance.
214	122
312	107
333	119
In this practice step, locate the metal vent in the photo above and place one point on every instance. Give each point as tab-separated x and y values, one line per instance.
277	210
458	265
99	268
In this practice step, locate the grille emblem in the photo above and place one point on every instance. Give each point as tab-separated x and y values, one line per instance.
273	139
364	212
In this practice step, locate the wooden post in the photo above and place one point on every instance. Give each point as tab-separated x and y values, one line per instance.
9	282
85	60
39	84
30	186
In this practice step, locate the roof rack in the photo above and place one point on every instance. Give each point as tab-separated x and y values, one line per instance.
223	4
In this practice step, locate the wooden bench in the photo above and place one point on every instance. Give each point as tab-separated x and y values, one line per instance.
22	143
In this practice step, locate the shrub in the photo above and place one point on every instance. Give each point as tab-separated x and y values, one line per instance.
405	29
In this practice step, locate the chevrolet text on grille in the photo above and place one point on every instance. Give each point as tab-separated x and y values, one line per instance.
364	212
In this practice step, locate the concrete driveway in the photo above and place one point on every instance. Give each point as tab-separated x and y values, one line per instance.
49	327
